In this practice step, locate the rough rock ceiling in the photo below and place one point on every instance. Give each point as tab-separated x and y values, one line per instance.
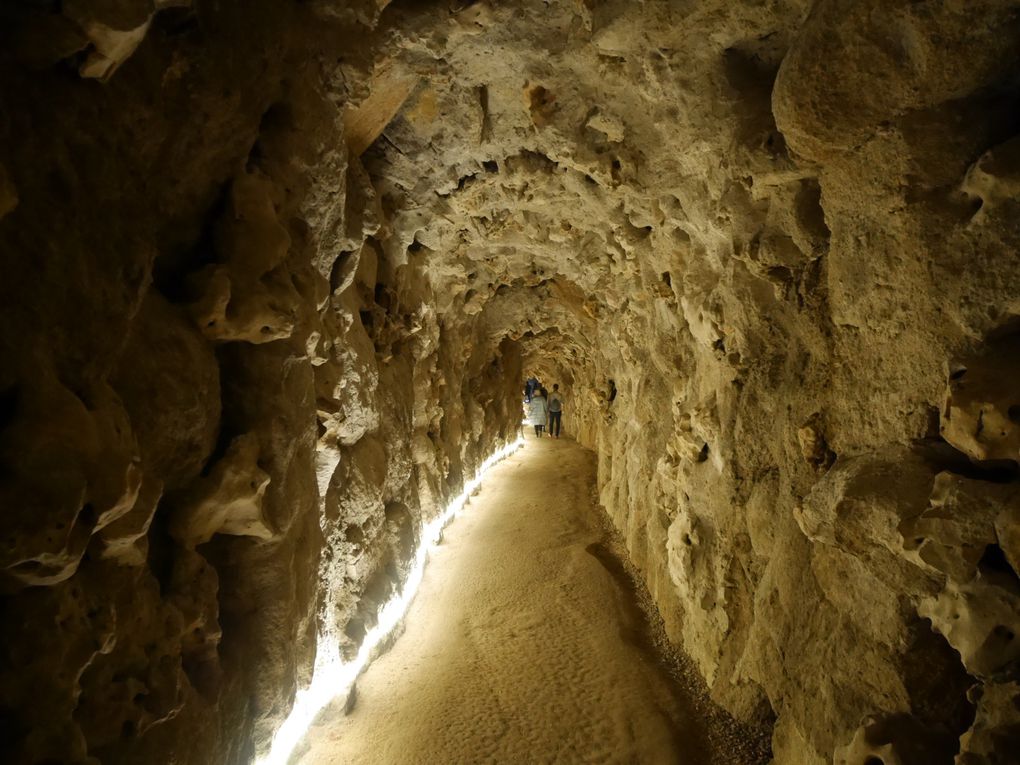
272	273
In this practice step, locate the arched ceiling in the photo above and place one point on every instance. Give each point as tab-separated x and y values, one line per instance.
552	165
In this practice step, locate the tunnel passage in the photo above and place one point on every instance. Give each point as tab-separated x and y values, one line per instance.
272	272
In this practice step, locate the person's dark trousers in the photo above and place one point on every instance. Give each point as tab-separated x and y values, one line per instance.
539	429
554	423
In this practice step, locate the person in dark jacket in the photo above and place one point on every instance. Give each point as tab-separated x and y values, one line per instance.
555	405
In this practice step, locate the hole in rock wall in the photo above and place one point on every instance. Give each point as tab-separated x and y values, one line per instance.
811	214
185	250
1014	413
162	549
277	119
1006	328
1003	634
541	104
775	144
173	21
750	69
976	417
995	565
354	534
703	453
944	456
938	686
342	272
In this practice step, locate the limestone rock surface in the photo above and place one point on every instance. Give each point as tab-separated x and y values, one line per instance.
273	273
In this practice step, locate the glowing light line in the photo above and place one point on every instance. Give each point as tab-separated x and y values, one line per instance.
333	677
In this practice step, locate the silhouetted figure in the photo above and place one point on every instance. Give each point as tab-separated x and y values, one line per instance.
538	412
530	386
555	411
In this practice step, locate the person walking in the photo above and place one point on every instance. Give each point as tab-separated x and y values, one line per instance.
555	411
530	386
538	411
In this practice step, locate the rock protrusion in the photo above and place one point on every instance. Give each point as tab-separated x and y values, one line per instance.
981	415
994	181
226	501
249	294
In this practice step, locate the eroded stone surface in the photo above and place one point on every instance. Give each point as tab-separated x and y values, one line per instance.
765	249
982	409
191	354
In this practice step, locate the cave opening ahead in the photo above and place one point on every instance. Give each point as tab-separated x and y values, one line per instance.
273	275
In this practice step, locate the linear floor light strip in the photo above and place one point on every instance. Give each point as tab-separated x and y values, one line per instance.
331	676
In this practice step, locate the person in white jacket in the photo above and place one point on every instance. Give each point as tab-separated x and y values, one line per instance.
538	411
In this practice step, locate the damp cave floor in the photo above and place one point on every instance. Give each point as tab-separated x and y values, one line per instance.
530	641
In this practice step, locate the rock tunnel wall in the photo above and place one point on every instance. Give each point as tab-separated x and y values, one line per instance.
272	272
214	381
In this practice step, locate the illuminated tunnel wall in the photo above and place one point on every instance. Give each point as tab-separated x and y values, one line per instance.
272	275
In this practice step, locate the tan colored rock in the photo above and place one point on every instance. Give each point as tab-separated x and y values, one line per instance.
981	416
812	445
137	680
996	726
111	47
953	534
910	58
388	90
114	29
70	471
788	744
895	740
169	381
541	104
1007	529
252	296
43	665
862	501
193	593
981	620
735	233
228	500
994	180
125	539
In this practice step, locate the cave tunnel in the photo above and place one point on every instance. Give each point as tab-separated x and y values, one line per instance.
273	274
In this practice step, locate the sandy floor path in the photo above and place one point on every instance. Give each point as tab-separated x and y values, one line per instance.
524	644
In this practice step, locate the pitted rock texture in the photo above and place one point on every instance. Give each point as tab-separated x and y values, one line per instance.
783	310
214	384
273	274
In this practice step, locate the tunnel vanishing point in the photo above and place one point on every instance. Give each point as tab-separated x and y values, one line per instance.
272	273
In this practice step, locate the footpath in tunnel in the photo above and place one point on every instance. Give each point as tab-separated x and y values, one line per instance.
526	644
